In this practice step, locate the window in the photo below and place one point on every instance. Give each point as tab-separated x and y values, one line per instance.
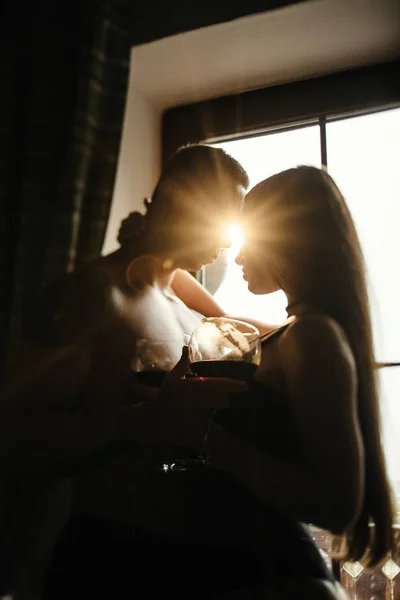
362	155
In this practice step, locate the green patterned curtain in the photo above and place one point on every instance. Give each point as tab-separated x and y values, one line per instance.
64	70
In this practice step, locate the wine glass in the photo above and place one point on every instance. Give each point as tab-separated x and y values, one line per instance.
153	359
223	347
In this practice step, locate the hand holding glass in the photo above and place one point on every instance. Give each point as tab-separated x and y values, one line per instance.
224	347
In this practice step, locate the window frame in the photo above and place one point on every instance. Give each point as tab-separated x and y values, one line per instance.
329	97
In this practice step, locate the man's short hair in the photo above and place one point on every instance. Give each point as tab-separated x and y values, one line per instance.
197	178
201	160
198	165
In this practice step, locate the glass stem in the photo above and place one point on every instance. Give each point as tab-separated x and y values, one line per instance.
205	454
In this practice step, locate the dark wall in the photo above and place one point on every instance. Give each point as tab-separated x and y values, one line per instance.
153	20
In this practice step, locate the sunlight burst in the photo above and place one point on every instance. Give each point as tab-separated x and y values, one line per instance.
235	236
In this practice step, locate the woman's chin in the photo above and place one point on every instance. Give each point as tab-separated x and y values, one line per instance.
254	289
257	289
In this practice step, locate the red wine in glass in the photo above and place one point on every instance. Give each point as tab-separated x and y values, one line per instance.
153	359
233	369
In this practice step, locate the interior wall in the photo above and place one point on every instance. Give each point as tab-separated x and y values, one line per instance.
139	160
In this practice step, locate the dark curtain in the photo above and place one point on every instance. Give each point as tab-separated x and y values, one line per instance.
64	71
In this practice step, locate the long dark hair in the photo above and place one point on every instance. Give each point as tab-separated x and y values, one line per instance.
314	249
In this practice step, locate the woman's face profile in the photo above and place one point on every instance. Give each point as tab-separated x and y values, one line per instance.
255	255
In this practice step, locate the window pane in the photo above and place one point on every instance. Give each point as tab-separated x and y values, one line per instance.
363	158
389	380
261	156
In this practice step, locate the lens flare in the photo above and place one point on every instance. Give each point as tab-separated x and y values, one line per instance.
235	236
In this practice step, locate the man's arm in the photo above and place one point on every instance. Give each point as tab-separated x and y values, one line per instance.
42	426
44	430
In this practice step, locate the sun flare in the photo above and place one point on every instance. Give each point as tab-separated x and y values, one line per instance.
235	237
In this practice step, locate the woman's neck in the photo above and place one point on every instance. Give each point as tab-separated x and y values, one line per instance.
300	308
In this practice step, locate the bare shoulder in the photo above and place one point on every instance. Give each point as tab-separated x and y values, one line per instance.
316	332
316	339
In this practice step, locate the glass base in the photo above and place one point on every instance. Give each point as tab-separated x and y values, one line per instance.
185	464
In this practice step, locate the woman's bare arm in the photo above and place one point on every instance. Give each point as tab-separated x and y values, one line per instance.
324	484
194	295
197	298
